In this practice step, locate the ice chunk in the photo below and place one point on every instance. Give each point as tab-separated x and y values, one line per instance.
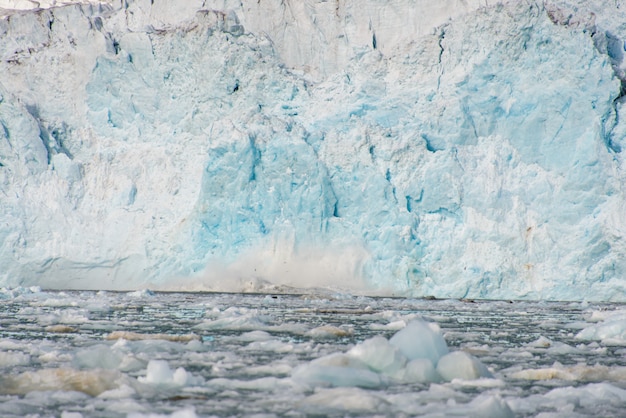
379	355
344	400
611	327
419	340
541	342
329	332
98	356
591	394
372	362
124	391
577	372
91	382
159	373
319	375
60	329
594	398
340	360
461	365
338	370
418	370
274	346
239	319
489	406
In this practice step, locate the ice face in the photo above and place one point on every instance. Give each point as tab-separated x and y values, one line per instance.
474	153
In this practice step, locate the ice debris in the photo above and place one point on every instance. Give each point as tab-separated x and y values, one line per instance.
417	353
92	382
159	373
610	327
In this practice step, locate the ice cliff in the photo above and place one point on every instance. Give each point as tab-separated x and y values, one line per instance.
417	147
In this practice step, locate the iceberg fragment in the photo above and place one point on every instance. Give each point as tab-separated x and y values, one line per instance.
461	365
379	355
418	340
159	373
417	353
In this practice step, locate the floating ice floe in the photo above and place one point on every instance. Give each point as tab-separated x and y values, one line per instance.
543	344
417	353
244	319
102	356
564	400
159	373
576	373
92	382
352	400
610	327
329	332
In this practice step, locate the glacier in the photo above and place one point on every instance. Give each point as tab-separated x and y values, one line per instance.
456	149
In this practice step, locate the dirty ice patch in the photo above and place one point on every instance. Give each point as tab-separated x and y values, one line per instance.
92	382
574	373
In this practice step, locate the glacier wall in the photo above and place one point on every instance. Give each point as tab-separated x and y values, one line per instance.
456	148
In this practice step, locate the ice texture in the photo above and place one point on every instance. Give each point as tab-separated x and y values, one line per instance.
289	371
418	340
610	327
379	355
467	149
159	373
461	365
416	353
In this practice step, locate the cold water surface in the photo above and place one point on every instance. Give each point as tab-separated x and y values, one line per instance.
103	354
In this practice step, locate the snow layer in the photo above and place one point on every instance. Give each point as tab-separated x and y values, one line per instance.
455	149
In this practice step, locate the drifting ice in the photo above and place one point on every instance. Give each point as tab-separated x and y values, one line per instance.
414	354
456	149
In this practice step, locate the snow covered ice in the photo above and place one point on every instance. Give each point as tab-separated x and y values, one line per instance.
454	149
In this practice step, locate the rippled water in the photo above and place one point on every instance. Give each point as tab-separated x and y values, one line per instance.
84	354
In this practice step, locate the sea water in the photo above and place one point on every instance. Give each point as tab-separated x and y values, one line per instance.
146	354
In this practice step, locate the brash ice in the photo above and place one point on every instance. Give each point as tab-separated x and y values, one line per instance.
416	147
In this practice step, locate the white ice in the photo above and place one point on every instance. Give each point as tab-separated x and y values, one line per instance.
451	148
417	353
